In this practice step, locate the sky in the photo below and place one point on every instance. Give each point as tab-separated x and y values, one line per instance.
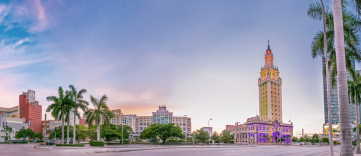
199	58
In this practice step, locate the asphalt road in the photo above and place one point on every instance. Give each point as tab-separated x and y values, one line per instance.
146	150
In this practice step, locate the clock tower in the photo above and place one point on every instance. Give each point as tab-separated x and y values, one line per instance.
270	90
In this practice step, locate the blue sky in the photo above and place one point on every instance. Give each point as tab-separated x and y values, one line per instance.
200	58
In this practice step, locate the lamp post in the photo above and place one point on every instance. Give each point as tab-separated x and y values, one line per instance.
122	134
209	121
210	135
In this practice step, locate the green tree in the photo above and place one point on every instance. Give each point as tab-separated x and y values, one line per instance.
25	134
82	132
227	137
201	136
78	103
315	138
113	132
325	140
302	139
7	130
216	138
162	131
344	40
100	114
59	108
318	11
295	139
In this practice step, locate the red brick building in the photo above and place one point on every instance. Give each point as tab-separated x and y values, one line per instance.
30	110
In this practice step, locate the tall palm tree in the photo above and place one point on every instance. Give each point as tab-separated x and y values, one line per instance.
346	148
100	114
58	108
78	103
352	27
354	91
318	11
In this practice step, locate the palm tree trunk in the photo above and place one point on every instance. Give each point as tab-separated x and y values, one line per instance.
62	131
68	131
326	78
98	132
358	149
74	128
346	147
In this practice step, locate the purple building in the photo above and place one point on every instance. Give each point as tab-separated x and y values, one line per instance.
256	131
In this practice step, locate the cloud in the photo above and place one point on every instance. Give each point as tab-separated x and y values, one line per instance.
41	17
17	63
21	42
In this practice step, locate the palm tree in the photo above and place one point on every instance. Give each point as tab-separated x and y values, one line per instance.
100	114
58	108
318	11
78	103
352	27
354	91
346	148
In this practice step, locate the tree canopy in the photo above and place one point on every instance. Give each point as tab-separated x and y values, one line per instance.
161	131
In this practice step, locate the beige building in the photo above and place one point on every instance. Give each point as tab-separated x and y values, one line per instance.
184	123
270	90
161	116
117	118
142	122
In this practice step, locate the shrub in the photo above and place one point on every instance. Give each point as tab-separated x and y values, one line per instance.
174	140
324	140
71	145
96	143
116	143
18	141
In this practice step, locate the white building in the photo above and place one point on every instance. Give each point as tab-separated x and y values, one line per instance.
15	124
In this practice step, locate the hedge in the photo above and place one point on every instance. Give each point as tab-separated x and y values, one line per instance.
96	143
18	141
71	145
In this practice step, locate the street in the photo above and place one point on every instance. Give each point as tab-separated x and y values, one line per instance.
154	150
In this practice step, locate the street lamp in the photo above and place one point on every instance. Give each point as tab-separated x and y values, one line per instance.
122	134
210	133
209	121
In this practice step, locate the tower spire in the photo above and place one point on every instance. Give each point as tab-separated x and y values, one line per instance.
268	47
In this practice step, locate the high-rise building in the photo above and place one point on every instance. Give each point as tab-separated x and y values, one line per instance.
270	90
30	110
335	107
267	128
162	116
